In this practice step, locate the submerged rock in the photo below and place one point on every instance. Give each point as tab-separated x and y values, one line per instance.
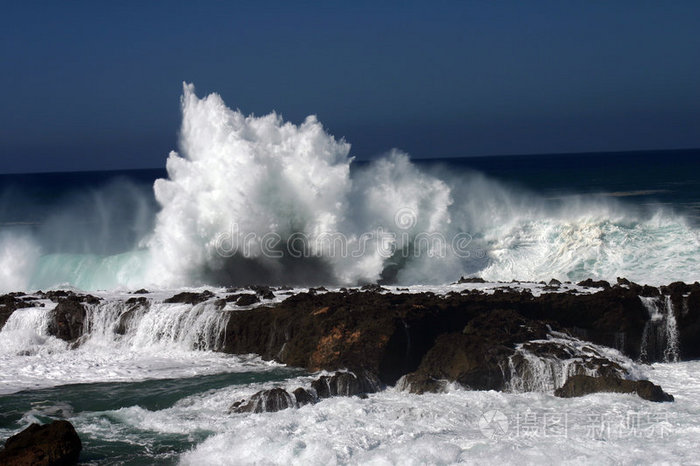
580	385
590	283
247	299
303	397
50	444
346	384
263	291
338	384
265	401
190	298
471	280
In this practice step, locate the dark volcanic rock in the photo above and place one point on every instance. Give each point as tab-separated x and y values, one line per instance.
265	401
9	303
67	320
136	307
590	283
51	444
384	334
467	334
613	317
580	385
471	280
338	384
263	291
688	318
190	298
420	383
321	387
303	397
243	299
345	384
247	299
476	357
389	334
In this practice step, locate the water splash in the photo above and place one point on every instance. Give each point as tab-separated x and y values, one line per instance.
660	335
545	365
244	194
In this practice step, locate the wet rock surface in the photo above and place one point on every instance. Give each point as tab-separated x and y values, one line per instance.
390	334
50	444
580	385
465	336
265	401
190	298
9	303
468	337
67	320
326	386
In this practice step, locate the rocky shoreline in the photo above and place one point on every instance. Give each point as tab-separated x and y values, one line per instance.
569	340
463	337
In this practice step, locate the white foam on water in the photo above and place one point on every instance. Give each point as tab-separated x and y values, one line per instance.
394	427
160	341
25	332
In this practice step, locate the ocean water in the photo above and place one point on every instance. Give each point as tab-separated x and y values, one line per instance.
258	200
159	394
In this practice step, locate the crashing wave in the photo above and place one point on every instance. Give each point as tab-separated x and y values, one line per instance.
257	199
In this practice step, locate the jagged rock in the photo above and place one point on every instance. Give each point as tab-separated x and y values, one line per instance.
688	322
421	383
9	303
580	385
675	288
135	306
344	384
475	358
58	295
374	288
590	283
390	334
50	444
247	299
321	387
470	280
141	291
303	397
263	292
190	298
647	291
265	401
67	318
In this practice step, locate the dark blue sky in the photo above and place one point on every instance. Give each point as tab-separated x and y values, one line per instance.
95	86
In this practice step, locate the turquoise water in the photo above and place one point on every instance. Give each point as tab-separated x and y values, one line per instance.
96	409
